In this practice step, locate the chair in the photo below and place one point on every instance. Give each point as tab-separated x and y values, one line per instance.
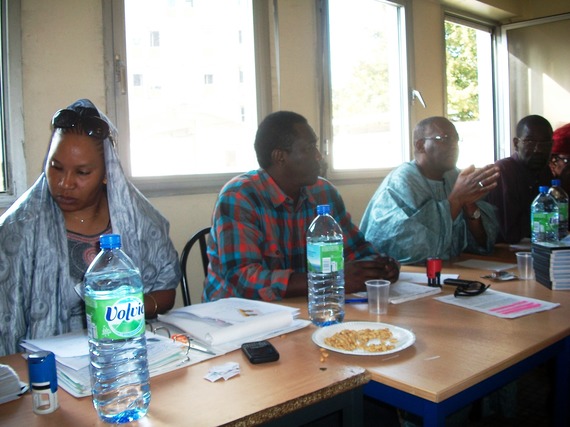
199	236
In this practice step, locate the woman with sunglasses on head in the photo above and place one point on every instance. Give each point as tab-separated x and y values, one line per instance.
560	156
50	235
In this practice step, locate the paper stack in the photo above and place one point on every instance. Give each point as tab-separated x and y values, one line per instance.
551	263
72	358
10	385
225	324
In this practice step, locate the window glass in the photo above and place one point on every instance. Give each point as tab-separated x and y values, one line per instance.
469	74
191	86
368	84
537	61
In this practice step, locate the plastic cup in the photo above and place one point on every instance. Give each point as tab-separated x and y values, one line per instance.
524	263
378	296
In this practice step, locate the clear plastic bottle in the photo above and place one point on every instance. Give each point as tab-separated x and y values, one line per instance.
114	304
544	217
561	198
325	262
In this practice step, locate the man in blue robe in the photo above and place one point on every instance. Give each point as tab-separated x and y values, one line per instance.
429	208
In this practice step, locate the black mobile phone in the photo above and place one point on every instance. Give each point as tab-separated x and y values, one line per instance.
260	352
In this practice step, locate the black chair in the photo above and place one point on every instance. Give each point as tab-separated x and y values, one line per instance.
200	237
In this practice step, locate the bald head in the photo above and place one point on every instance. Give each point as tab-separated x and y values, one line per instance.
533	122
436	146
425	127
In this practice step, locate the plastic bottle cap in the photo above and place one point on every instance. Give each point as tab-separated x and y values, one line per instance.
556	182
323	209
110	241
542	189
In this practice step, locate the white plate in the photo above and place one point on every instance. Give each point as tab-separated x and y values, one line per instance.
405	338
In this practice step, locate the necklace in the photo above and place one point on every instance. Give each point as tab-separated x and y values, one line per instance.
89	218
82	220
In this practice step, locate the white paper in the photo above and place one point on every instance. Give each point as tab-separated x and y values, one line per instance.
229	322
499	304
486	265
406	291
421	278
73	372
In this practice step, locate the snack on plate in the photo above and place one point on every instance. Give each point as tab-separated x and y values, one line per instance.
370	340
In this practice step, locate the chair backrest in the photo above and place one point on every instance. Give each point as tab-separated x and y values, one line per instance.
200	237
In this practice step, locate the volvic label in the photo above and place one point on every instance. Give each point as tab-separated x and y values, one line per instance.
545	222
325	257
115	318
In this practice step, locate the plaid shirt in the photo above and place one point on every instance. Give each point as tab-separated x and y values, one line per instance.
258	236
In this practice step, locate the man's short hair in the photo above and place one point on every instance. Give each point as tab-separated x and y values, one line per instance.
277	130
532	120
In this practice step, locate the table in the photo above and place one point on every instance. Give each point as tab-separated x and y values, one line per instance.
292	391
461	355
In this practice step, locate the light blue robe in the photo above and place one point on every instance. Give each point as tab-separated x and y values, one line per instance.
409	218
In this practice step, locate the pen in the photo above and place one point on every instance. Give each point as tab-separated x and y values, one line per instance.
355	300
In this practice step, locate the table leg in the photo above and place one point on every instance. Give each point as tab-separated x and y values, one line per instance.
562	386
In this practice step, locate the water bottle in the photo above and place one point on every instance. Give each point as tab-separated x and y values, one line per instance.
561	198
114	305
544	217
325	262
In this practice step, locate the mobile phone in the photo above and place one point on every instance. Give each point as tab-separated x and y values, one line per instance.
260	352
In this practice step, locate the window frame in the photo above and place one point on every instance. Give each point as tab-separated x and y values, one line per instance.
507	122
12	103
117	101
325	95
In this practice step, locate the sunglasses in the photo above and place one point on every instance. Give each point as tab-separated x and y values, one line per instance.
466	288
91	124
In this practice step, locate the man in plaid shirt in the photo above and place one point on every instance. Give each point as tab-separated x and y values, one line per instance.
257	246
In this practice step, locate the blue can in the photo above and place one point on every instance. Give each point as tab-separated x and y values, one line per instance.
43	381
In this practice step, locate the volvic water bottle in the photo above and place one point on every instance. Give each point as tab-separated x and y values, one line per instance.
325	262
544	217
114	306
561	198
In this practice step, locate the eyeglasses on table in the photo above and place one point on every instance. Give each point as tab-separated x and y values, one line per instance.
466	288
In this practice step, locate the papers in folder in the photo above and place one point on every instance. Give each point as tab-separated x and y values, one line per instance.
72	358
225	324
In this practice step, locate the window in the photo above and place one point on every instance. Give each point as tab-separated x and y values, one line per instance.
12	164
535	78
190	123
365	103
187	124
469	78
154	39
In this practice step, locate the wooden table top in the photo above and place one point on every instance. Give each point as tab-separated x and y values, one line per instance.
455	348
259	394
